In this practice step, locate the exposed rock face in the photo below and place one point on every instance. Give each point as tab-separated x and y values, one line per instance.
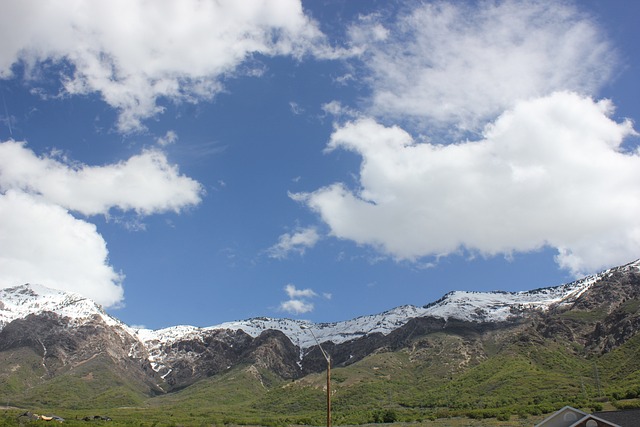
602	318
61	346
272	350
64	347
187	361
617	298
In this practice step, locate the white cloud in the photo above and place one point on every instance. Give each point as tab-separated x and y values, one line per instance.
461	64
345	79
169	138
145	183
549	172
293	292
298	302
296	306
299	242
296	109
133	52
336	109
42	243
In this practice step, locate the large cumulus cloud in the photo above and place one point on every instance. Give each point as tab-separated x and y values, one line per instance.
549	172
133	52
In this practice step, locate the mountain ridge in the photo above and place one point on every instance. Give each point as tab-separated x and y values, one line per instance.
496	306
473	306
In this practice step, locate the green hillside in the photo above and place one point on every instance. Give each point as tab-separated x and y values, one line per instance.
520	382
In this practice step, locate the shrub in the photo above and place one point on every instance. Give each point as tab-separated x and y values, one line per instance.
627	404
504	416
384	416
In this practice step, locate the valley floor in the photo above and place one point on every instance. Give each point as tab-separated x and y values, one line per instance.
10	417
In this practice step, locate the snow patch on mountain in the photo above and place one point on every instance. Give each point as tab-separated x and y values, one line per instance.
20	301
499	306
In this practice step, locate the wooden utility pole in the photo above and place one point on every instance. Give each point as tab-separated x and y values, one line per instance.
328	389
328	359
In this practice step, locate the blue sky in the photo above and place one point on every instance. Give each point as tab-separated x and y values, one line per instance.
188	162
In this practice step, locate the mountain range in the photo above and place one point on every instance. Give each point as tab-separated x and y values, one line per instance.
62	350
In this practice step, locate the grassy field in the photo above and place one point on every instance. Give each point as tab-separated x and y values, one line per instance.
144	418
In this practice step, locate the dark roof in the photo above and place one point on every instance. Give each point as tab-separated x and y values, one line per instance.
626	418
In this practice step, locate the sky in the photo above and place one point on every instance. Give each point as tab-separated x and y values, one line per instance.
196	162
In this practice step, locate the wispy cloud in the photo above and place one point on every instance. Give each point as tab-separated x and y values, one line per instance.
461	64
169	138
339	111
296	108
297	242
